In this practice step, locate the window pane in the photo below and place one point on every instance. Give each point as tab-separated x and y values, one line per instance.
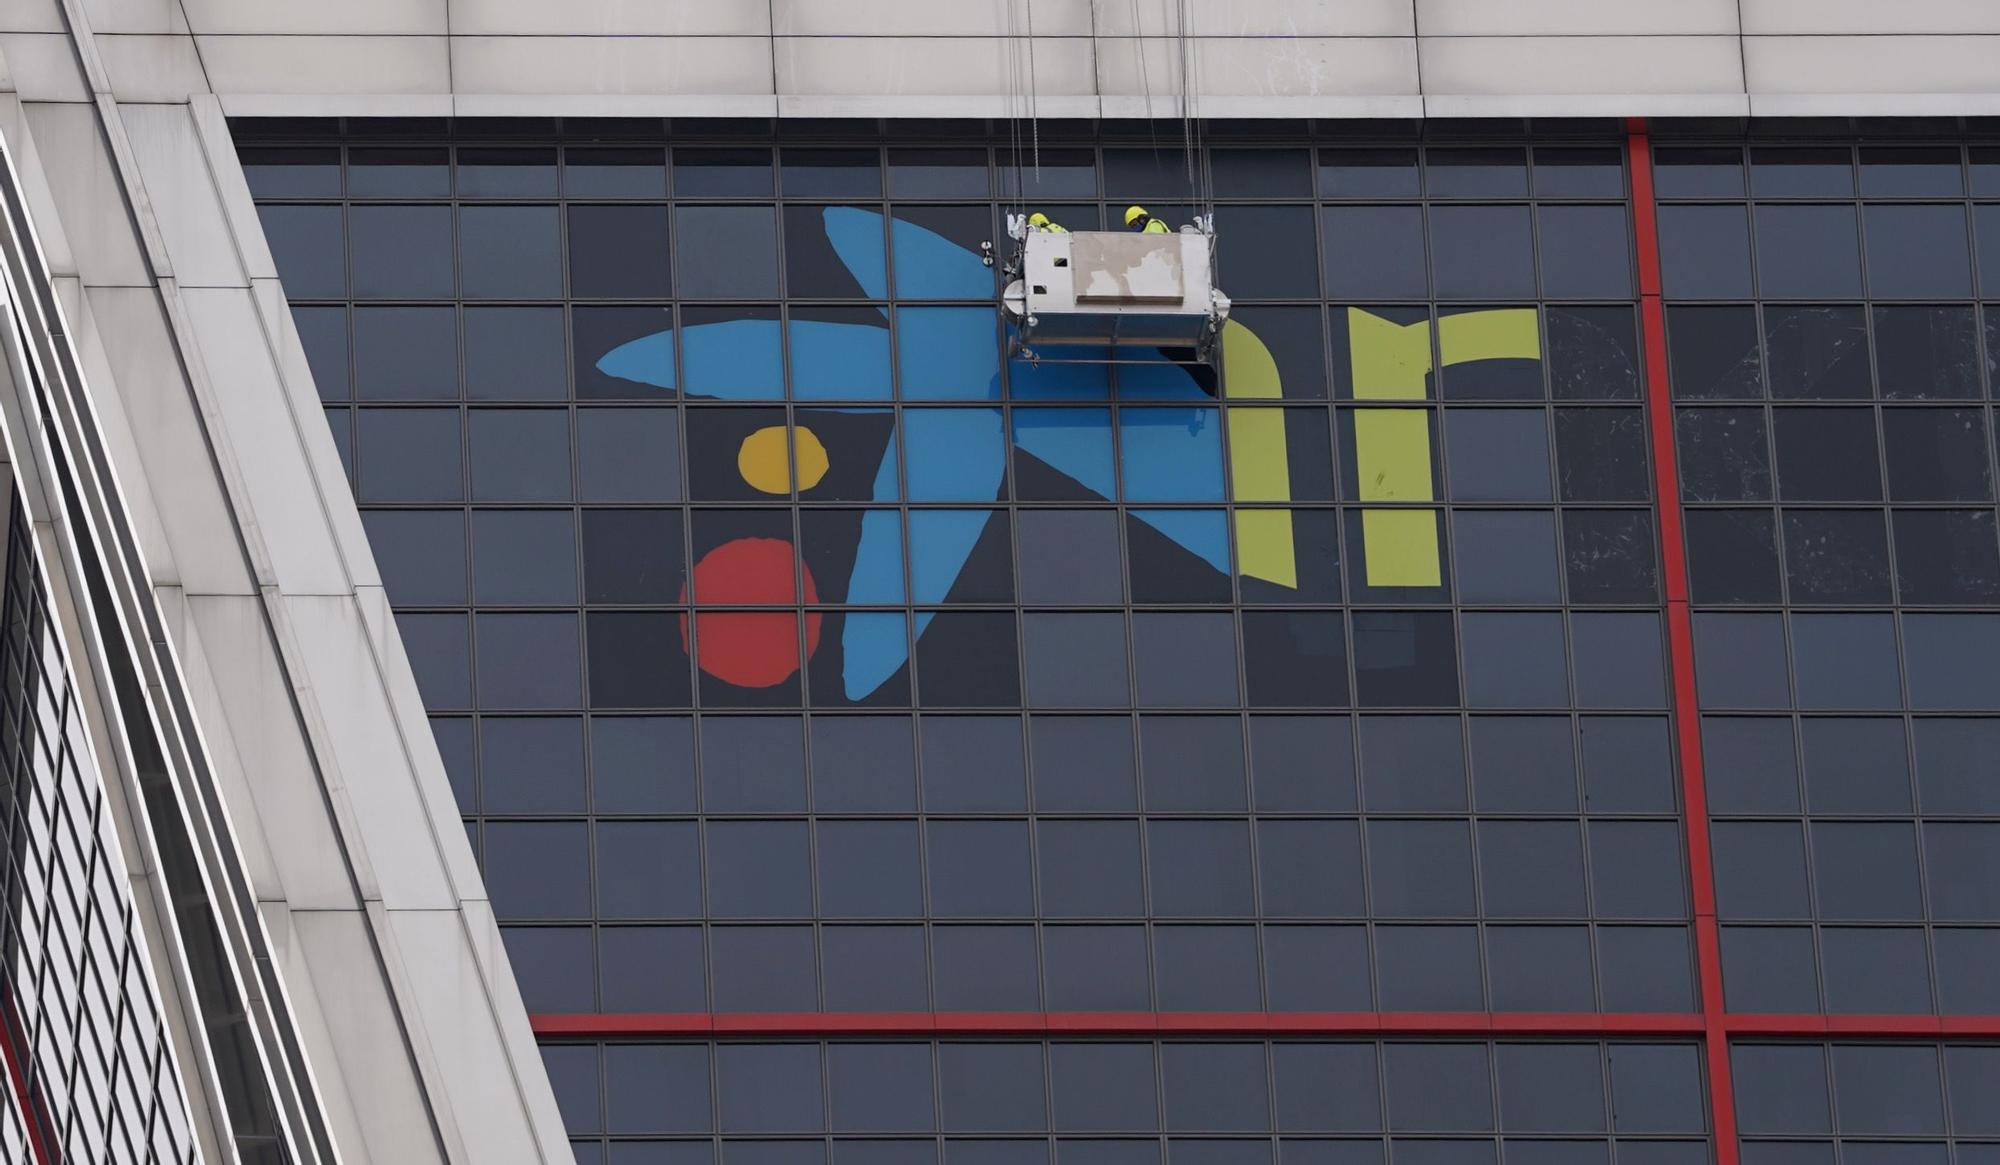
1601	455
1808	251
1412	763
648	869
1724	454
1406	658
1705	252
308	245
1199	869
862	764
514	353
1927	353
538	870
1483	172
880	1087
396	172
1265	260
1734	559
1550	1087
1368	173
722	173
869	869
1917	251
1793	172
1698	171
523	556
642	764
421	554
1827	455
323	334
611	172
510	252
1184	660
1309	869
1420	869
1375	252
637	660
1215	1088
1437	1087
1192	762
1836	556
769	1087
531	764
972	763
1714	353
1585	253
656	1089
520	455
979	869
1505	556
1817	353
619	252
727	252
1497	454
628	455
1482	252
1609	555
1089	869
409	455
1523	764
1103	1087
291	171
528	661
937	173
831	173
1593	353
401	252
1075	660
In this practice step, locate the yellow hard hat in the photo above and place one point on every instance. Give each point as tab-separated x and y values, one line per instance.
1038	219
1135	213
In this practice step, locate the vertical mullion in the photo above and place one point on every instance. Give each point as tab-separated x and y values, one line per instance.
1680	643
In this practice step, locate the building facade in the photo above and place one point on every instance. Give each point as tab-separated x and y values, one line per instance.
549	617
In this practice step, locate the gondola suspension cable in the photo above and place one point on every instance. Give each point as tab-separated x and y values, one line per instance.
1201	183
1034	96
1145	80
1187	126
1014	101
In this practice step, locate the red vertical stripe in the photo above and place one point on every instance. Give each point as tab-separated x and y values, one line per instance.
1680	641
12	1046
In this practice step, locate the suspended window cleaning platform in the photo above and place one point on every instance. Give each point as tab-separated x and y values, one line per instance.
1113	297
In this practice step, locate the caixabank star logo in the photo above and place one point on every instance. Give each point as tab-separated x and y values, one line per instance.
959	430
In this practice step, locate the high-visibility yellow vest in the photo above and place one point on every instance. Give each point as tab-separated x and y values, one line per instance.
1156	227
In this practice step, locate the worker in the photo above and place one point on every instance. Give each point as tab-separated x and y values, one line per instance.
1041	222
1143	223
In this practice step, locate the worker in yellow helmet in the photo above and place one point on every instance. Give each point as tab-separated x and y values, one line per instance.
1041	222
1138	220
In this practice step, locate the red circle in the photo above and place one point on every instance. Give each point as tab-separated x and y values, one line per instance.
751	649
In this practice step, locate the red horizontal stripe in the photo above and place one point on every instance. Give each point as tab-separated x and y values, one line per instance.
1925	1026
1146	1023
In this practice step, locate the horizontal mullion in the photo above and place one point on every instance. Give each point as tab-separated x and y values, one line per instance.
1077	1023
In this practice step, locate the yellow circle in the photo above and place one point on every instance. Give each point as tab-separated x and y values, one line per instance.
763	459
